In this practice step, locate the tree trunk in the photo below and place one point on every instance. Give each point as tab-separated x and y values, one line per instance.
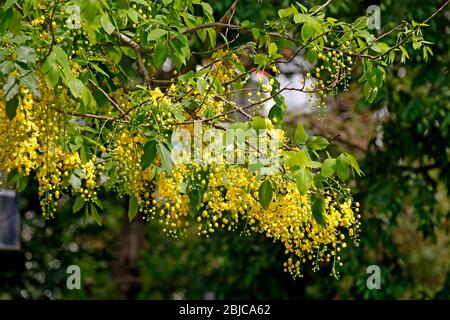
125	266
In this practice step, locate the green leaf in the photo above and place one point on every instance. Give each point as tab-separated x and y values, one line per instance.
6	67
300	134
63	59
307	19
134	16
83	154
89	10
307	32
132	208
21	183
405	54
254	167
155	34
106	24
13	177
301	18
86	96
360	23
258	123
78	143
11	107
261	60
367	90
374	94
179	5
202	34
318	181
161	53
276	113
317	143
115	54
187	76
26	55
4	53
76	87
318	208
296	158
166	159
75	182
51	71
202	85
10	88
30	80
255	33
194	201
239	126
342	167
177	111
273	49
354	164
95	215
303	178
137	120
311	56
98	69
265	194
207	8
212	36
149	154
328	167
313	164
8	4
282	13
78	205
381	47
417	45
98	203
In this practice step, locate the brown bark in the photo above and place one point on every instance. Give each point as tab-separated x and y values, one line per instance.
125	266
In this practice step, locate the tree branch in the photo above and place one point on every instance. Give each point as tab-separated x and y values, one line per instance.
111	100
139	61
213	25
235	109
410	34
436	12
321	7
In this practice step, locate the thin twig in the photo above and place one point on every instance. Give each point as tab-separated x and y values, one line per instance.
436	12
51	31
111	100
214	25
320	8
139	61
229	15
204	98
236	109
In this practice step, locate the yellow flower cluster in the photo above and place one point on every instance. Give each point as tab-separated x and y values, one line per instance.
89	174
32	142
38	21
289	219
126	154
171	203
229	200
